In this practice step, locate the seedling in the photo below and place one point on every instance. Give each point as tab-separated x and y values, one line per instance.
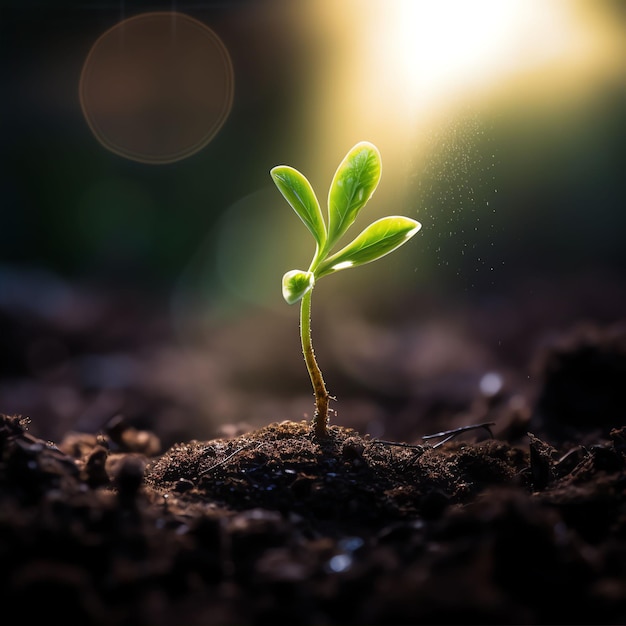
354	183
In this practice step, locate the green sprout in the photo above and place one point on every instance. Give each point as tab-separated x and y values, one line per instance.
354	183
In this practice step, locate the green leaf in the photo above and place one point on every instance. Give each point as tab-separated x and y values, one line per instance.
354	183
295	284
297	190
377	240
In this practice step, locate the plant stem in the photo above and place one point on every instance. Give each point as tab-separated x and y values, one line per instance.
320	421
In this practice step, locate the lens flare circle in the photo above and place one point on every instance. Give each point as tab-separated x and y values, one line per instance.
157	87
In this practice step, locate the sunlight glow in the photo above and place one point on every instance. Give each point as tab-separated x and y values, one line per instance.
441	48
400	66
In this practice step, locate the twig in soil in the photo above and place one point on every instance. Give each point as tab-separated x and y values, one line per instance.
412	446
225	459
446	434
451	434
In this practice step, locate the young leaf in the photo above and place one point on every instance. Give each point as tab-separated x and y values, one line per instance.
297	190
354	183
378	239
295	284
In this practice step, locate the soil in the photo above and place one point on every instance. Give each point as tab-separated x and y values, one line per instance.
520	521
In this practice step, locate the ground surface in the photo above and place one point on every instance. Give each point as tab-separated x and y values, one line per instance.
121	522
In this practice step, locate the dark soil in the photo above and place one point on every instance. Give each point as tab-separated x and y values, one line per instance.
269	525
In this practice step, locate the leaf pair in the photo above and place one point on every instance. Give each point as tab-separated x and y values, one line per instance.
354	183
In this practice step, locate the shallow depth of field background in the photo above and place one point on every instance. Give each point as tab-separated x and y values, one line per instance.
501	124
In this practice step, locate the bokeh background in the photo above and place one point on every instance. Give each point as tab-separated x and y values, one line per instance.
149	286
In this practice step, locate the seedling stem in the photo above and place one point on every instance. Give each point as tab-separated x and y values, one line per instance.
322	397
